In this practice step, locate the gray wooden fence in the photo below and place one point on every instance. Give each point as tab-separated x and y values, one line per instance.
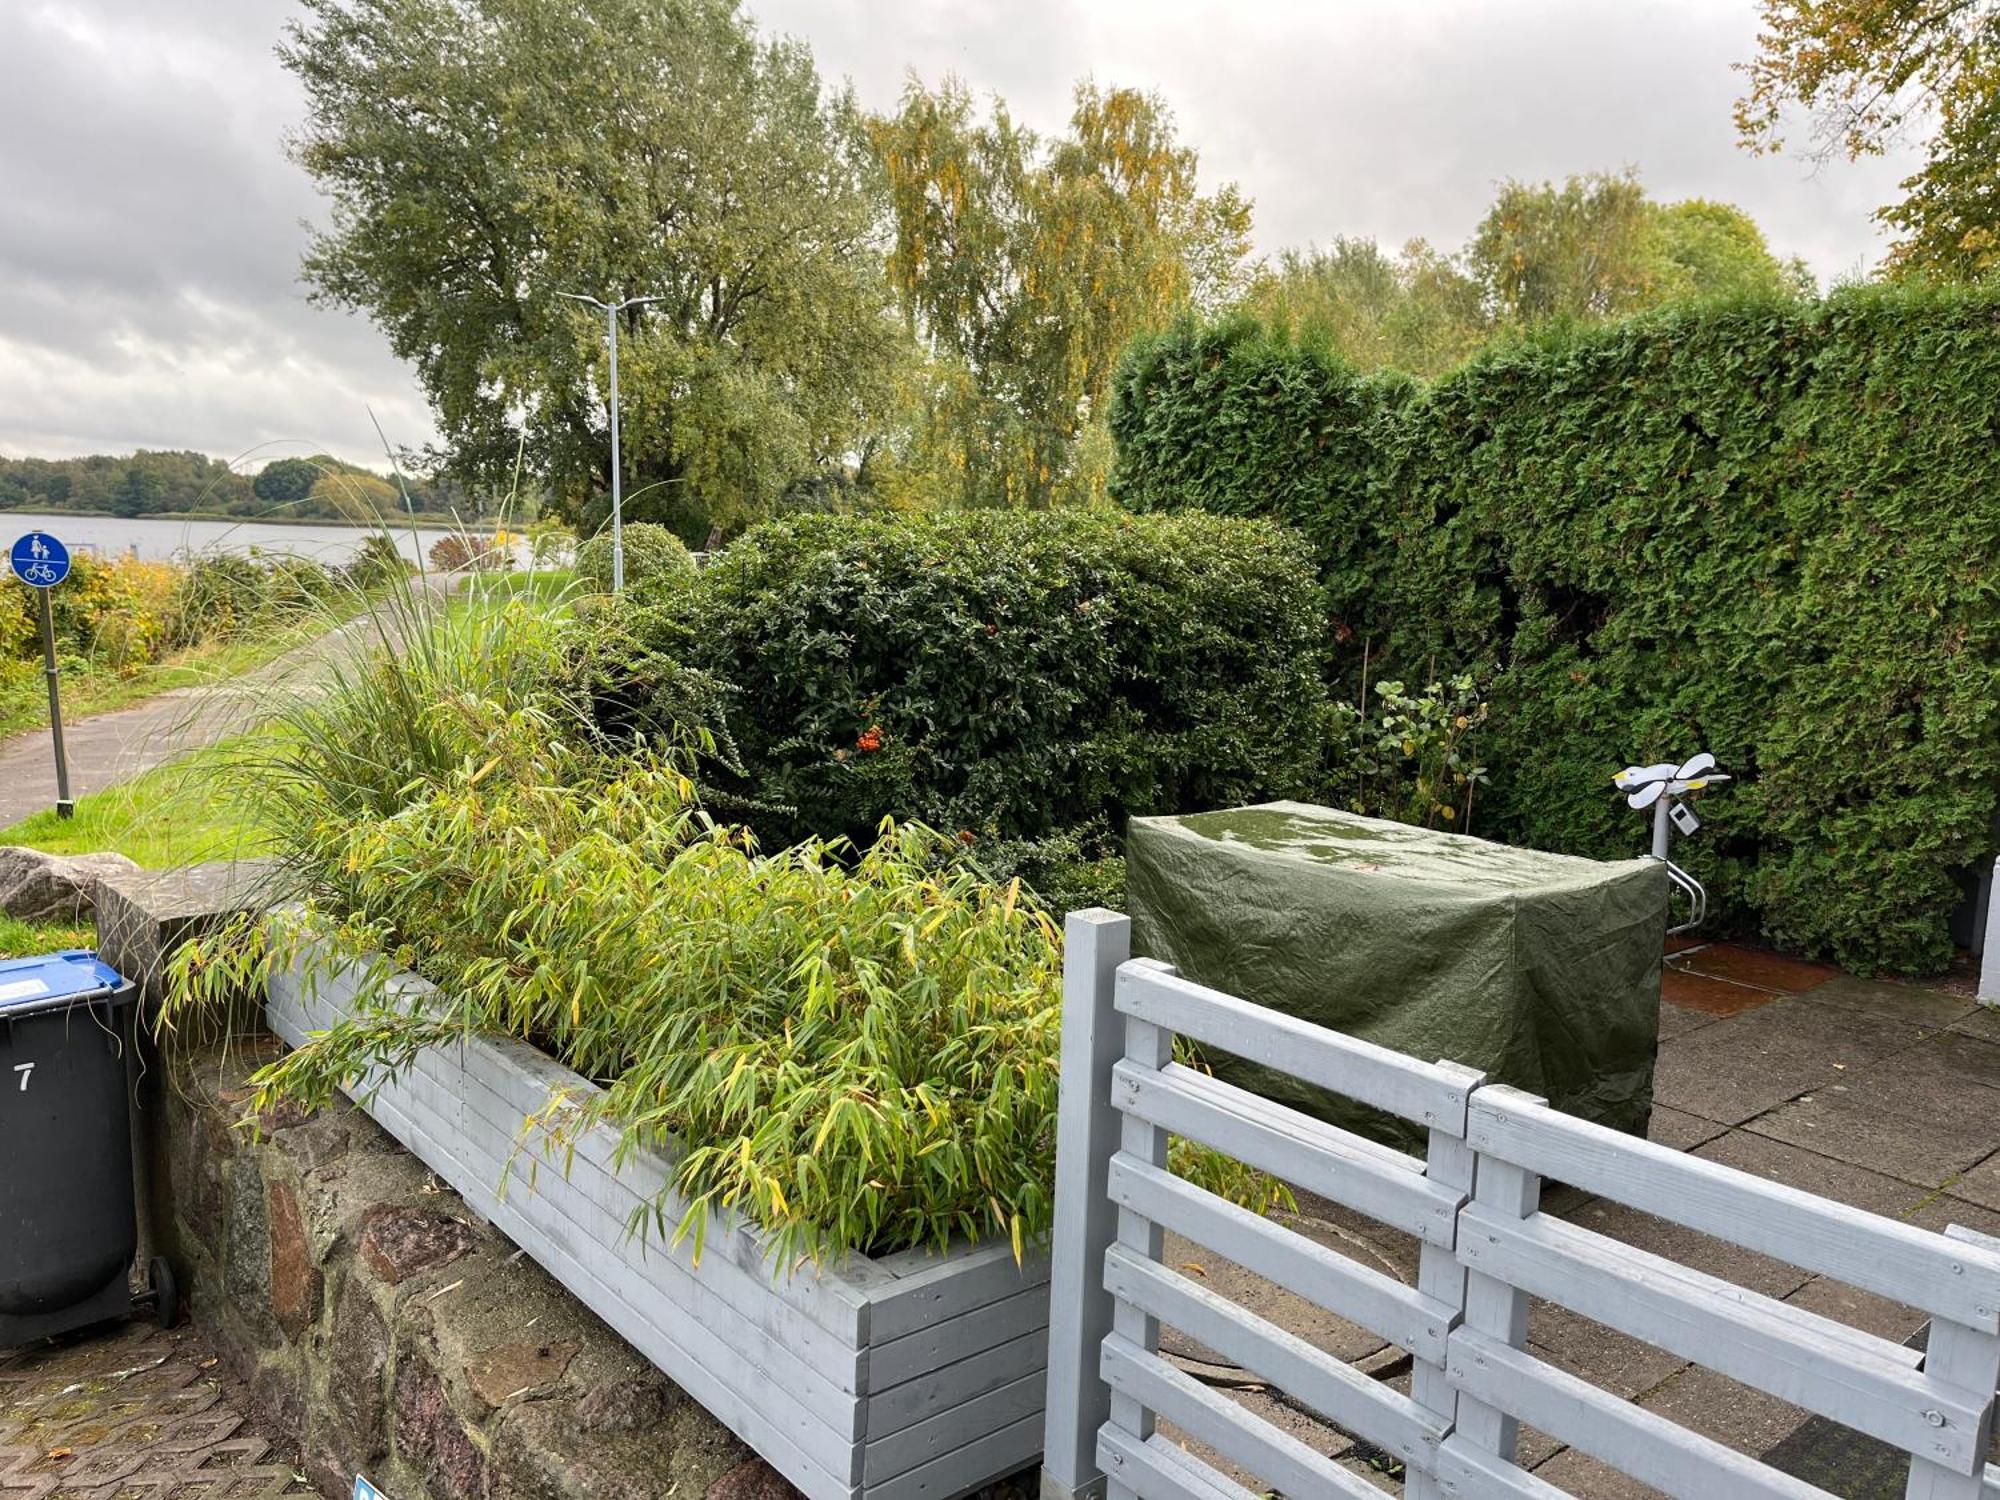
1473	1205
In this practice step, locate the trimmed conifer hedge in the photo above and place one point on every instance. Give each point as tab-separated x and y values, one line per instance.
1770	530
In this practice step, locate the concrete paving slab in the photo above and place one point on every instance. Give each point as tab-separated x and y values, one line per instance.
1577	1473
1895	1002
1690	1247
1912	1125
1739	1068
1799	1167
1678	1020
1980	1021
1759	968
1955	1057
1611	1360
1837	1300
1979	1183
1732	1413
1679	1129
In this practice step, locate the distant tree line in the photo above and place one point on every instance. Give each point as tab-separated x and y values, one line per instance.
154	482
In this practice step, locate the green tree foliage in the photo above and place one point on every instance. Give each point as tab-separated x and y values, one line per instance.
1594	248
1419	311
485	155
284	480
1748	527
1873	72
1028	264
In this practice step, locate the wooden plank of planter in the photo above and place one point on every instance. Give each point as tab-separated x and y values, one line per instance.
940	1436
810	1374
930	1286
975	1462
705	1359
898	1360
941	1388
725	1297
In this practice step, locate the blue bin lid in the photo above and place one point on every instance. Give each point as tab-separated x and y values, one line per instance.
54	980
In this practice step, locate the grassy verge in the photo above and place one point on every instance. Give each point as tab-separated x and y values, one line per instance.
20	939
169	816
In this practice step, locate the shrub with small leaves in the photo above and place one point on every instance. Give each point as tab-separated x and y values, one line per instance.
653	557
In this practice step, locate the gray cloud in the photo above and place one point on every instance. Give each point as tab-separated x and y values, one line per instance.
151	230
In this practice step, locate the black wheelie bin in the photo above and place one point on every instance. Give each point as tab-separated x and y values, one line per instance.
67	1230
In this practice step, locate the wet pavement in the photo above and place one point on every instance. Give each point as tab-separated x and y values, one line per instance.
132	1413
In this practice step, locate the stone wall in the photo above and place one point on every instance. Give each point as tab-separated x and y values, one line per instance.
375	1319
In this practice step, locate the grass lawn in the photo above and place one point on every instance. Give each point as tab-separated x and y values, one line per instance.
20	939
169	816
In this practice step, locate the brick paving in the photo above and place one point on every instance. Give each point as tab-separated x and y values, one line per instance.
131	1413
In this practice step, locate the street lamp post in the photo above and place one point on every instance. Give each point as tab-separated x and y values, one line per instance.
611	312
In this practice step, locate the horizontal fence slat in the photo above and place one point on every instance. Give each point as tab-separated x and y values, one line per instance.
1347	1065
1370	1179
1351	1400
1401	1314
1273	1455
1893	1259
1631	1439
1156	1470
1856	1379
1465	1473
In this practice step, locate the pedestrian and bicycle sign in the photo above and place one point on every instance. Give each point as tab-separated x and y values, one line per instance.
39	560
42	562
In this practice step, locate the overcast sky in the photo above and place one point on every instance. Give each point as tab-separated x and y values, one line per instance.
150	225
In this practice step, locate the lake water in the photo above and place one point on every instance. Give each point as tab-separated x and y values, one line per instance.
159	541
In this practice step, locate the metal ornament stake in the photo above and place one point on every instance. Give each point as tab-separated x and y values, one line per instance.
1662	787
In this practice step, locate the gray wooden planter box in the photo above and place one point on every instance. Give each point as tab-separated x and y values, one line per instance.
910	1377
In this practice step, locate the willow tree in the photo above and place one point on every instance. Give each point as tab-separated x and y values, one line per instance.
1873	73
484	155
1027	264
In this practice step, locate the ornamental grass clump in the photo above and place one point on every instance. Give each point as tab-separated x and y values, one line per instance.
855	1049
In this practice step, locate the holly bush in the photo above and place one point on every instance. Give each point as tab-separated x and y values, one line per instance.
1767	529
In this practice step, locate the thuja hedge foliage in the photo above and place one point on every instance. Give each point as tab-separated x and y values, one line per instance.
1004	676
1771	530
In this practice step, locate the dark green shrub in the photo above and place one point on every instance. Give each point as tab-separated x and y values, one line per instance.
1765	529
652	554
1007	676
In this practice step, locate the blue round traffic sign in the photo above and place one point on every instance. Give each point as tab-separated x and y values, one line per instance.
39	560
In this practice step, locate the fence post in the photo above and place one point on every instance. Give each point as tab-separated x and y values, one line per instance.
1449	1162
1148	1047
1493	1307
1969	1359
1095	943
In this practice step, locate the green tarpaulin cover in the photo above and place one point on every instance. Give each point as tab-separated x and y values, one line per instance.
1543	970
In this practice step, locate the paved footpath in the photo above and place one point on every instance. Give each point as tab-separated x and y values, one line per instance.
108	748
132	1414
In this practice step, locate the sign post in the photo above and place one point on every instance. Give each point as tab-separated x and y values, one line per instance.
42	562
